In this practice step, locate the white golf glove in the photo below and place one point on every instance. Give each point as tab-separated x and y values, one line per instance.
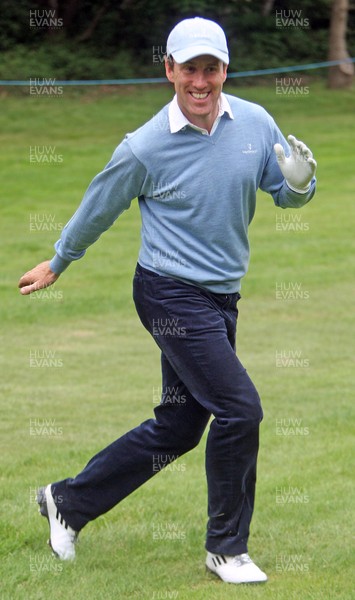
298	169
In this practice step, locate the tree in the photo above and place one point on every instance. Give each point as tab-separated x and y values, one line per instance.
267	7
340	76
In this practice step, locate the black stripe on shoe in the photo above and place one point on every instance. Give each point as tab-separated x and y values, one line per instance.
61	519
43	508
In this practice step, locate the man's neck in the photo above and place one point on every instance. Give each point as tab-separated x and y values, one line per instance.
205	121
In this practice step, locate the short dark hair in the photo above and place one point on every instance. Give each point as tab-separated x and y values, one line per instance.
170	61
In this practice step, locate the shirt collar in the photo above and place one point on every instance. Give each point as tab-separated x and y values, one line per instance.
177	119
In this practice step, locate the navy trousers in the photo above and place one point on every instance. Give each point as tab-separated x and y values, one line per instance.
201	376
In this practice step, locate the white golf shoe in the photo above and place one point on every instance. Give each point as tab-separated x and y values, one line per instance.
61	537
235	569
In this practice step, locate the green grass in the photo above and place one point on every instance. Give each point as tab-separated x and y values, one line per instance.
108	367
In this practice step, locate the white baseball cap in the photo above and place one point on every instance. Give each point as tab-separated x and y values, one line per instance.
197	36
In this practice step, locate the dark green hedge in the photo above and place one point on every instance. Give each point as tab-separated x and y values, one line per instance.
129	37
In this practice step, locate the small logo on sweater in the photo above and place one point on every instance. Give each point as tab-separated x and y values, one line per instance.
249	149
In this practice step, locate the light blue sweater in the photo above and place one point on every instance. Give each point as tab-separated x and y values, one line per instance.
196	194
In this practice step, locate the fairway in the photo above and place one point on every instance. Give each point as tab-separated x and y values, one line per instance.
79	370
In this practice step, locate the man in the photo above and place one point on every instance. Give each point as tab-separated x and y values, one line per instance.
195	168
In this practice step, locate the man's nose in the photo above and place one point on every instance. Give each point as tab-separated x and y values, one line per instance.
199	80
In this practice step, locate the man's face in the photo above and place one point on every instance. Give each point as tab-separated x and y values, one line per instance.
198	86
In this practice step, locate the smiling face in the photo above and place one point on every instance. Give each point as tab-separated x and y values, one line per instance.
198	85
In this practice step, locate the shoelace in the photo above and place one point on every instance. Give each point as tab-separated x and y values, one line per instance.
242	559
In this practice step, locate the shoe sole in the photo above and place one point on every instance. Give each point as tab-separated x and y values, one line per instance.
42	502
209	570
43	510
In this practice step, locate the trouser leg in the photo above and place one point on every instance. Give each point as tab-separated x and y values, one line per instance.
196	334
131	460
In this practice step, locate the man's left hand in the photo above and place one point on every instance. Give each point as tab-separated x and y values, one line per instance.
299	168
38	278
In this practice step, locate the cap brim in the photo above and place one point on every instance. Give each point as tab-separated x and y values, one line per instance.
186	54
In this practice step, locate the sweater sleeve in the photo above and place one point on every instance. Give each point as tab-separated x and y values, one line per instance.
109	194
273	180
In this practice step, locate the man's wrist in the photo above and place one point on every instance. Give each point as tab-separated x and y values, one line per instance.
58	264
302	190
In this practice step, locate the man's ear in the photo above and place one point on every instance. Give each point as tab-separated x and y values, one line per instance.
169	71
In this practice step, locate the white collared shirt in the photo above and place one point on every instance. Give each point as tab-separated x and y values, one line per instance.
178	121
